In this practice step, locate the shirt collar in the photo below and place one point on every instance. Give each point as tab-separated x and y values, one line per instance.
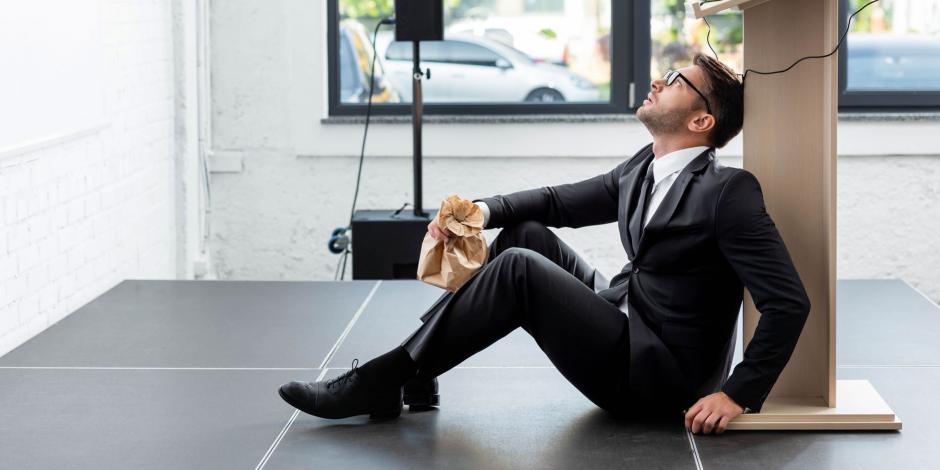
674	162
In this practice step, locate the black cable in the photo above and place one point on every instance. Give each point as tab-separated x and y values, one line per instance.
838	45
362	151
708	38
336	271
395	214
365	133
342	273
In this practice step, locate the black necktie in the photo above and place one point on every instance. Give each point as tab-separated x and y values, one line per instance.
636	219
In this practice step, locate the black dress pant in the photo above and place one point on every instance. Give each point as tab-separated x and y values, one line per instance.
533	280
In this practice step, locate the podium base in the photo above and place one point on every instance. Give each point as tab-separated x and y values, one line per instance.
858	407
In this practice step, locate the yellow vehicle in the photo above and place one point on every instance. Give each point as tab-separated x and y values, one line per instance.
355	64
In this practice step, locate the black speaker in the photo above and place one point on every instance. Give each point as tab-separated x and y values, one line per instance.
419	20
386	245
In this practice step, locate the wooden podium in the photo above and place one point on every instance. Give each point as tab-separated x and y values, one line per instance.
790	145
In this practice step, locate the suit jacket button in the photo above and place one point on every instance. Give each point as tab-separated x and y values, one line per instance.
636	270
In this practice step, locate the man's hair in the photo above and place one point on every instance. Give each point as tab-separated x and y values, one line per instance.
725	96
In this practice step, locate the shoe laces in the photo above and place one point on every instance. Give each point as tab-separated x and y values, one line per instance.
343	378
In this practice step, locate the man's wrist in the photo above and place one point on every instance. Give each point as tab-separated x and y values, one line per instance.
744	409
486	212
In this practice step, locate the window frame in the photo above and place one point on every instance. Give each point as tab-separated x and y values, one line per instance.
626	27
872	100
630	22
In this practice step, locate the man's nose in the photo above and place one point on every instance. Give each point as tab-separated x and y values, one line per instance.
657	84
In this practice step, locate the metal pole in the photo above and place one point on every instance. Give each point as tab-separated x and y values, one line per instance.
416	112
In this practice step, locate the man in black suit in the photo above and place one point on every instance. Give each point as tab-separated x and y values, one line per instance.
659	336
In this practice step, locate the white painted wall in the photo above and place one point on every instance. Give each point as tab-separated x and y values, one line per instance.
67	43
286	180
87	206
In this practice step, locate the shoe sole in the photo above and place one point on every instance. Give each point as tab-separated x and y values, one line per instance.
375	415
385	415
422	400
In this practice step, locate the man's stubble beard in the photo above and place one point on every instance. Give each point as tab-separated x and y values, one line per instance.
661	123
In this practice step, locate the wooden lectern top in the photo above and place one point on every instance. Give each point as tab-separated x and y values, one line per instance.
710	8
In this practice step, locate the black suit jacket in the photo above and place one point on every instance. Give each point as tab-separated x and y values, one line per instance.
709	239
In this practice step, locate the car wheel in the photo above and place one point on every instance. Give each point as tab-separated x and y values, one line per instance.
545	95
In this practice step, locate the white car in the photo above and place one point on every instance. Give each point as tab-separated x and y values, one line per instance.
467	68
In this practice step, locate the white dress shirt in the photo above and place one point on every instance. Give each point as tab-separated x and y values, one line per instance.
665	171
485	209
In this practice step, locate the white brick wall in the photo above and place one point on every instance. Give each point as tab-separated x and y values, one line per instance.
80	216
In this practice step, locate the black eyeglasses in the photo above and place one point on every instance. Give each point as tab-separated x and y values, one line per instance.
671	77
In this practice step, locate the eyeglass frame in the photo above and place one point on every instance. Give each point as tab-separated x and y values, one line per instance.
670	78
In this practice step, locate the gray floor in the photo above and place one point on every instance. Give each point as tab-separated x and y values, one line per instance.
183	374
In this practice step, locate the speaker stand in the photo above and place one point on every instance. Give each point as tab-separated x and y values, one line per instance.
416	116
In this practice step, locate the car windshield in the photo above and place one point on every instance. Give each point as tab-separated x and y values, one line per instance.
514	54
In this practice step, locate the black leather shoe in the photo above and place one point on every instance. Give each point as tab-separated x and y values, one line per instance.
345	396
421	394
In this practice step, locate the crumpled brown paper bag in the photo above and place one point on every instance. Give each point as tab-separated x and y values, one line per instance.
450	264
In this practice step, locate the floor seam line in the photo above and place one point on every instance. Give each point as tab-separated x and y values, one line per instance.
928	299
277	440
280	436
695	456
352	322
323	370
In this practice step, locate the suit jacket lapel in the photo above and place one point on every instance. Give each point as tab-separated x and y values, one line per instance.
630	183
671	201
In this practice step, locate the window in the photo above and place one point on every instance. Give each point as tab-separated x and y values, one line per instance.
498	57
597	56
890	60
892	55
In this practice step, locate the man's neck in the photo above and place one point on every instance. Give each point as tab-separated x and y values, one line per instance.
664	146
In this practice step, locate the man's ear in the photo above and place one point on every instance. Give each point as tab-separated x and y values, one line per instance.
702	124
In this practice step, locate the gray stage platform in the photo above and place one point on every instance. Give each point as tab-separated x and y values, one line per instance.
184	374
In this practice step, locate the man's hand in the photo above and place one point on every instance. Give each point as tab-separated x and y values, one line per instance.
712	413
438	233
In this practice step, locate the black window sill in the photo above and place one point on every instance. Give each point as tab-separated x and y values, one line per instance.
596	118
